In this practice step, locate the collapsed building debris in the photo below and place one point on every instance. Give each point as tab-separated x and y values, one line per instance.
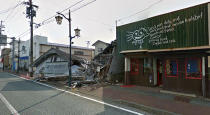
54	65
106	64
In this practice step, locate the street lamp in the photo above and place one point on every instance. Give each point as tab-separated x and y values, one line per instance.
59	18
77	32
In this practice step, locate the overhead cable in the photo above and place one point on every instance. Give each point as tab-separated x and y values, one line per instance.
150	6
51	19
12	8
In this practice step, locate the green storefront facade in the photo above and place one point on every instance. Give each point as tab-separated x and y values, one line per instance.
170	50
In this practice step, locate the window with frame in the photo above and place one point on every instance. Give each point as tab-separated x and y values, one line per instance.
134	66
78	53
100	50
193	68
23	49
147	66
171	68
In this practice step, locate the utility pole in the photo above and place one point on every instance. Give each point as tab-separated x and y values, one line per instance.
31	39
88	44
70	58
18	67
13	54
31	13
1	27
1	30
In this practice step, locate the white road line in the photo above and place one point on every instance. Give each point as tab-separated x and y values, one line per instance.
91	99
9	106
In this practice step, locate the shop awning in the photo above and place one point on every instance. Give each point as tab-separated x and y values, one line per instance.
166	50
133	51
180	49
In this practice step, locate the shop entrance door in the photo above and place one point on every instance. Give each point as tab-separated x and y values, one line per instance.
159	72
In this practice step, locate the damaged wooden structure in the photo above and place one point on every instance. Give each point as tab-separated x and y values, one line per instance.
104	60
54	63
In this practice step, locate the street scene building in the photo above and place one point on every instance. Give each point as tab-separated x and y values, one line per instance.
5	57
54	62
83	52
99	47
170	50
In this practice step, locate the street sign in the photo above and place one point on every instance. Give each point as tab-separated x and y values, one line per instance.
3	40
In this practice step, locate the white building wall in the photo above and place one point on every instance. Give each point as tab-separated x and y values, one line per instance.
37	41
36	49
98	46
25	52
39	49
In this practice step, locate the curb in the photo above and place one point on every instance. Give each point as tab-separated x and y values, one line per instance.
178	93
148	109
145	108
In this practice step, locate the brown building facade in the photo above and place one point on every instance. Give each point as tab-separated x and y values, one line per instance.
5	55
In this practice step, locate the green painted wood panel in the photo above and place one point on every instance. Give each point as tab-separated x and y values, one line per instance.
184	28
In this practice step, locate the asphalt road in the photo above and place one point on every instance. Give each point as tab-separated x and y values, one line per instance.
29	98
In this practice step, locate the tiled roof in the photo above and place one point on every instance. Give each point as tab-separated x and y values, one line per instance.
60	53
65	45
98	41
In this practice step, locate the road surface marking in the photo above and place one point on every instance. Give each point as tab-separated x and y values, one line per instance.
9	106
91	99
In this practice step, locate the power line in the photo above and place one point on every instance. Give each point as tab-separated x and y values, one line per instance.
71	6
100	22
83	6
9	14
43	22
12	8
13	14
140	11
51	19
23	34
47	21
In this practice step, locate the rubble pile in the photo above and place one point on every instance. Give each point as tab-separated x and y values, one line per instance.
83	71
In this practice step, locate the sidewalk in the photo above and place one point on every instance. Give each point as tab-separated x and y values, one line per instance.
22	74
144	98
151	100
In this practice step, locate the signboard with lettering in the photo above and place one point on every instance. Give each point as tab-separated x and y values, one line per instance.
183	28
3	40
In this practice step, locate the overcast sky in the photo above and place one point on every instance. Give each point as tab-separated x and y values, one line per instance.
96	20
